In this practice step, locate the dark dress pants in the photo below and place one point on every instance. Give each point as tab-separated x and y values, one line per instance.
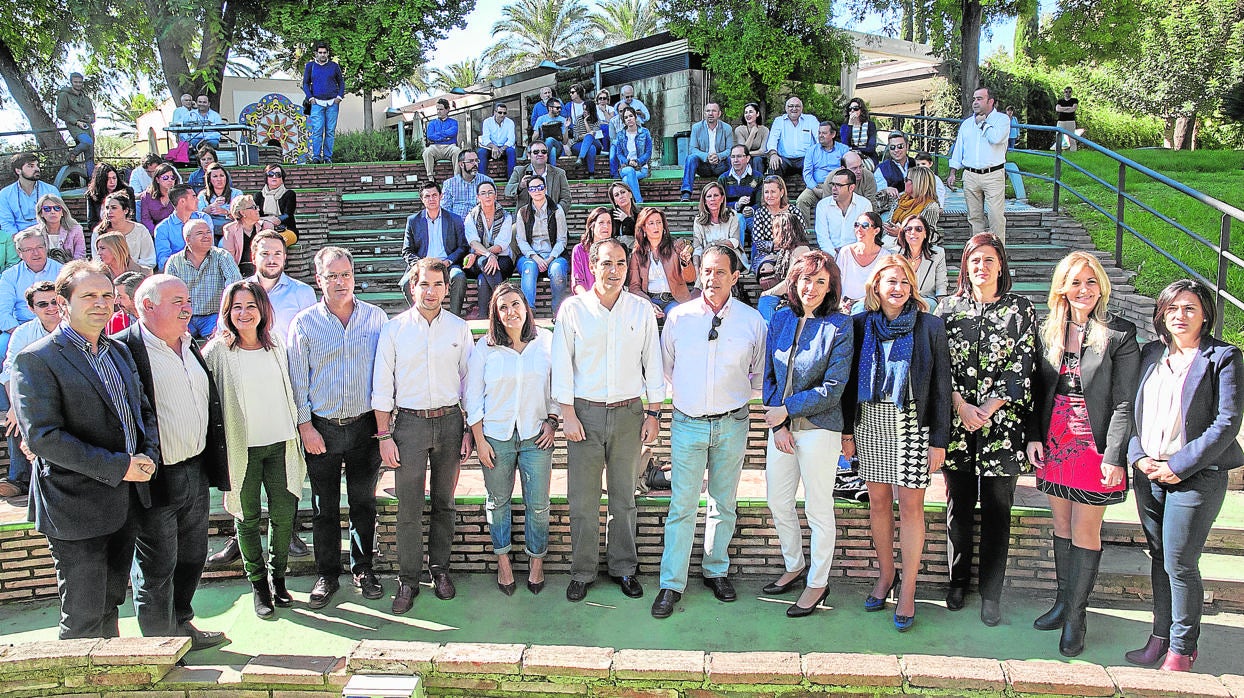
995	494
354	447
91	578
426	444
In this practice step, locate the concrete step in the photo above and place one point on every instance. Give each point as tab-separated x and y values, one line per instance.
1125	572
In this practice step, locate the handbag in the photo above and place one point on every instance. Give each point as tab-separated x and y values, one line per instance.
180	153
655	475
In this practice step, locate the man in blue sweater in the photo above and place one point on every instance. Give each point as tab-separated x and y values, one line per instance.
324	86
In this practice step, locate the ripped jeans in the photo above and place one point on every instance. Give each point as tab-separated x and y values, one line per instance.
534	465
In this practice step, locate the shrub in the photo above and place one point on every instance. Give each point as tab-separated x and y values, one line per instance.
370	146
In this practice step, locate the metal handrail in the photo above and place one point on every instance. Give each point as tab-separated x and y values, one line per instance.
1229	214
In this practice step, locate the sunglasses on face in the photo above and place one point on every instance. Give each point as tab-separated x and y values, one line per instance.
896	146
863	225
914	229
40	305
539	152
536	187
167	178
602	99
853	108
52	207
277	175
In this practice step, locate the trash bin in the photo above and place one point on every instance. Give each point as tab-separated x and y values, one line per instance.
669	150
684	146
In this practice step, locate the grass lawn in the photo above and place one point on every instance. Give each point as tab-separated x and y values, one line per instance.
1219	174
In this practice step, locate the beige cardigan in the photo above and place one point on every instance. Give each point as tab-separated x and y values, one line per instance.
222	364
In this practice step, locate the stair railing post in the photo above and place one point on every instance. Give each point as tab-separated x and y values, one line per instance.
1220	301
1058	167
1118	217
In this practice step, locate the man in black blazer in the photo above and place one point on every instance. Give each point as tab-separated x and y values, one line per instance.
450	244
82	411
171	546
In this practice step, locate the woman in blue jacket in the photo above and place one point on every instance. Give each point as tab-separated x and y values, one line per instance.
1186	417
806	370
631	151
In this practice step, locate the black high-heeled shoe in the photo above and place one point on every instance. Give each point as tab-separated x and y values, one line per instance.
872	603
797	611
775	587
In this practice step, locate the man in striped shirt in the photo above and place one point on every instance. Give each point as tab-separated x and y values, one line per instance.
332	348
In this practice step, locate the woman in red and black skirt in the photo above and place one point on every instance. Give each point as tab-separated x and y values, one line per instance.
1084	383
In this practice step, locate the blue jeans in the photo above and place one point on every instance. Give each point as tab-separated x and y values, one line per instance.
587	150
534	466
202	326
556	148
322	123
485	154
559	279
758	164
696	166
1177	520
696	445
19	465
631	176
84	142
768	305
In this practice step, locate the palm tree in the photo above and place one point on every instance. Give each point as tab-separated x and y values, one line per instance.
464	74
538	30
626	20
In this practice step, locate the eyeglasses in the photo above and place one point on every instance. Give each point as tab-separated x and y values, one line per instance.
168	178
536	187
853	108
863	225
343	276
913	229
896	146
602	99
279	175
40	305
833	185
249	208
712	333
501	112
36	248
487	192
52	207
539	152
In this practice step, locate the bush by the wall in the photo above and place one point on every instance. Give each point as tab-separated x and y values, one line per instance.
372	146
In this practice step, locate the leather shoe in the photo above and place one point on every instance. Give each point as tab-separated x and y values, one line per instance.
576	590
535	587
201	639
280	595
367	582
630	585
404	598
663	606
991	612
227	554
775	588
722	588
1178	662
442	585
954	598
797	611
322	592
298	548
1152	653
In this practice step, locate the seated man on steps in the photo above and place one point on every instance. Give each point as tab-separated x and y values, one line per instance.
790	137
440	139
497	139
556	186
741	185
818	163
550	129
458	192
709	149
439	234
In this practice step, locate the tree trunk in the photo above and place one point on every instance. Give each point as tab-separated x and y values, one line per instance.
214	53
28	100
1185	132
1027	25
970	51
369	123
174	66
908	22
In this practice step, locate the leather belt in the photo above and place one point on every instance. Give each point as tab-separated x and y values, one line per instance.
987	170
192	460
432	413
719	415
610	405
664	297
340	421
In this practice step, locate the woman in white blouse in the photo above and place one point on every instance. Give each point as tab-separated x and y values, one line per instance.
247	362
856	261
513	417
716	223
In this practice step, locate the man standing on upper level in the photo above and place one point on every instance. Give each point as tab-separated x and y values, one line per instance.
439	234
556	186
17	201
207	270
332	350
606	348
709	150
790	137
1065	114
497	139
458	192
325	87
417	384
440	140
714	351
836	213
75	108
818	163
980	151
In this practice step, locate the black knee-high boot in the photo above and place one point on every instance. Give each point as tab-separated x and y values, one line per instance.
1084	564
1053	618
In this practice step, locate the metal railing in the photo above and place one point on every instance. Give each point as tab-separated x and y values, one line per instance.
937	135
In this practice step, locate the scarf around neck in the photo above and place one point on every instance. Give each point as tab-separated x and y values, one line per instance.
272	200
882	378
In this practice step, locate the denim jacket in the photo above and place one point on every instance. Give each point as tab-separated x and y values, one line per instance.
643	144
821	362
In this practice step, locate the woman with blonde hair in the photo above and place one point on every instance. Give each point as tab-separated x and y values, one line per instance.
774	201
624	212
245	222
1087	364
919	198
896	416
113	252
64	234
716	223
118	217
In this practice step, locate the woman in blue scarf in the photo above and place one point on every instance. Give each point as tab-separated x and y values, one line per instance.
897	406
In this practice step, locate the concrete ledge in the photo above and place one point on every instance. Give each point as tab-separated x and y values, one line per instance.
122	668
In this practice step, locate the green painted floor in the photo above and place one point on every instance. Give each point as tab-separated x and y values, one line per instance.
480	613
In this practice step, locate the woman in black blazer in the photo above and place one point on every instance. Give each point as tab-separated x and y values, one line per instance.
897	406
1084	379
276	203
1187	415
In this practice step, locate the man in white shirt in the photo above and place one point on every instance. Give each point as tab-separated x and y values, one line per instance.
608	363
288	295
980	150
790	137
836	214
417	398
183	112
497	139
714	352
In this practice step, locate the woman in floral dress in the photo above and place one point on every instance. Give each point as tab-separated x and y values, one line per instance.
992	338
